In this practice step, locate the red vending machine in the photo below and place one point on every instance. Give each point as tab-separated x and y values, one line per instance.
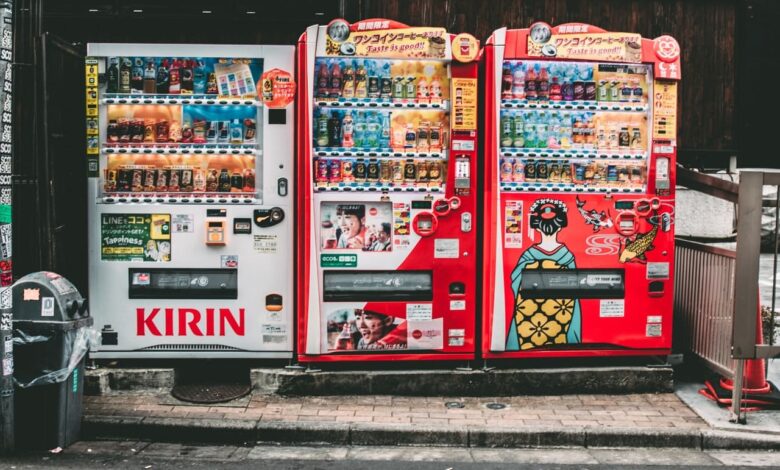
387	126
580	145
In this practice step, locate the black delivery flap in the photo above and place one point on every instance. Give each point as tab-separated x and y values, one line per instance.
573	284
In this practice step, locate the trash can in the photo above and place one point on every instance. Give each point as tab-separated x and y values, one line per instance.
51	336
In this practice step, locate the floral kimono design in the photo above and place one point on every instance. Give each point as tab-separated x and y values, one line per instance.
542	322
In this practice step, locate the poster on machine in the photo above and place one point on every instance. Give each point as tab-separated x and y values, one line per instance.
135	237
356	226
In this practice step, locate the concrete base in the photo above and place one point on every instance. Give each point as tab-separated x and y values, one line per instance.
474	383
342	434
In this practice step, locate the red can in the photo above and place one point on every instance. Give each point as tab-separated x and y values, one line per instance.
334	176
321	175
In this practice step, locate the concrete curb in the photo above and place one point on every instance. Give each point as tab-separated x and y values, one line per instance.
223	431
451	383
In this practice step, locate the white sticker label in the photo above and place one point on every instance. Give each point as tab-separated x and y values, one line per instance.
62	285
8	366
47	307
456	332
8	344
183	223
265	243
653	330
274	333
457	305
445	248
419	312
456	341
427	334
228	261
658	270
654	319
465	145
611	308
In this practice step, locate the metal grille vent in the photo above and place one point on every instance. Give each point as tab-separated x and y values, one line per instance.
190	347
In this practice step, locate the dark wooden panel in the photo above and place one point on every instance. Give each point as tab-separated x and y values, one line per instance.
704	28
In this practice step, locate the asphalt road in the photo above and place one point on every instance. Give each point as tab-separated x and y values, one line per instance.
130	455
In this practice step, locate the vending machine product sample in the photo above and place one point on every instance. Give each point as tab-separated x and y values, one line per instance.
191	216
580	139
386	163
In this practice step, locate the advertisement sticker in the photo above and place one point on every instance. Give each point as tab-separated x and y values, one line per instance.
428	334
361	329
356	226
513	224
135	237
367	40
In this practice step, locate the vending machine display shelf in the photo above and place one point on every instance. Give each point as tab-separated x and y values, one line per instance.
377	153
181	149
574	105
566	187
110	98
376	187
572	153
380	104
183	198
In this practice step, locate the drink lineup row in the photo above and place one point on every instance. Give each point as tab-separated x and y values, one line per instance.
198	131
176	179
405	131
573	130
544	81
397	172
580	172
174	76
393	81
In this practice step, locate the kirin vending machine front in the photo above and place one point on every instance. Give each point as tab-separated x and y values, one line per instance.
191	200
387	127
580	129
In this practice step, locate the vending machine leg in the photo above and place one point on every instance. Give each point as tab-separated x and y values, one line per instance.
294	366
467	368
485	367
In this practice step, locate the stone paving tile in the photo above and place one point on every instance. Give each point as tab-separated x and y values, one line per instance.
633	411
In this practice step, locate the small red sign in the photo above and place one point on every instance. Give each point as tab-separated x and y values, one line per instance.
277	88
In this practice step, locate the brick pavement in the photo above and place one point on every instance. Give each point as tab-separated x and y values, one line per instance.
663	410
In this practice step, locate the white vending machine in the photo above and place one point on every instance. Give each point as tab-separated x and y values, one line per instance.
191	218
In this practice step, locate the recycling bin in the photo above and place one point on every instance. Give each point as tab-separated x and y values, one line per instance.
51	336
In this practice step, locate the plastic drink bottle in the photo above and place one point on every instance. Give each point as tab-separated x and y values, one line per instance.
518	83
323	80
347	130
359	130
335	81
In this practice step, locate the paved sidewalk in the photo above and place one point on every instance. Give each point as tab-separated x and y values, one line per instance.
620	411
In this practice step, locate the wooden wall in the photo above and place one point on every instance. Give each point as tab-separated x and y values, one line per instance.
705	30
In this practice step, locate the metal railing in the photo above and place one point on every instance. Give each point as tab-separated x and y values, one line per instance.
728	286
704	302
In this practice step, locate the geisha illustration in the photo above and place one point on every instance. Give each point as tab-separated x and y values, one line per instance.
543	322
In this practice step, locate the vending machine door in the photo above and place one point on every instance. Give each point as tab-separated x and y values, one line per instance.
191	214
387	163
579	193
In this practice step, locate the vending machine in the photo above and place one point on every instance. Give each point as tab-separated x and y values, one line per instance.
580	146
191	211
387	129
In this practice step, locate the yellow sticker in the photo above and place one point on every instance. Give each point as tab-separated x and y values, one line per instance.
665	110
464	103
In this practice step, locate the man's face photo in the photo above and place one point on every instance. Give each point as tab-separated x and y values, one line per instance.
372	326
